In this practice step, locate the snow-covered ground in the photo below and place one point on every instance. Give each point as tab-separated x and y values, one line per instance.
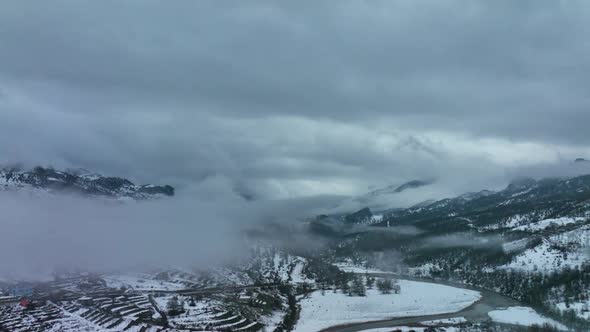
544	258
200	312
297	275
548	256
416	298
272	321
141	283
511	222
410	329
543	224
514	246
514	221
376	219
73	322
424	270
275	264
582	309
522	316
400	328
351	268
448	321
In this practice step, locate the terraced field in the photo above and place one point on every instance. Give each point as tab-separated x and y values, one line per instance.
79	304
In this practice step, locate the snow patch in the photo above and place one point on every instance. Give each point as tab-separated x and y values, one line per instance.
543	224
524	316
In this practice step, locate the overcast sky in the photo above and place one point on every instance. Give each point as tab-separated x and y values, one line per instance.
287	99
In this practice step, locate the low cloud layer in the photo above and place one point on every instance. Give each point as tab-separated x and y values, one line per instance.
43	233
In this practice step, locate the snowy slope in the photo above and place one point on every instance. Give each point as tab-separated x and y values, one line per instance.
555	252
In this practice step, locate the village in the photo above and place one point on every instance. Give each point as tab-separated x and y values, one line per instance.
86	303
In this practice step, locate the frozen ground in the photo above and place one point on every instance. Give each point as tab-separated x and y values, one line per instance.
522	316
416	299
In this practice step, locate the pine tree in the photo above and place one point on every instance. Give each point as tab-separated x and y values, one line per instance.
358	287
345	287
385	286
370	282
174	307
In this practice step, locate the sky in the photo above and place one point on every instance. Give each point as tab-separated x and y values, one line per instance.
296	99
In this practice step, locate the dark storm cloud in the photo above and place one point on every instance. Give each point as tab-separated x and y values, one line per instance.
288	99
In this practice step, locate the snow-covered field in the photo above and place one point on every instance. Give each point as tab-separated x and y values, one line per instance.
141	283
416	298
522	316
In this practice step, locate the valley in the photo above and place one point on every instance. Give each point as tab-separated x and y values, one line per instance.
465	263
294	166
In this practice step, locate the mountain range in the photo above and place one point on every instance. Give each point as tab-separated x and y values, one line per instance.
80	182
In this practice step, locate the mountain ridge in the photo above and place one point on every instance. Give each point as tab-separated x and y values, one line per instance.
396	189
80	182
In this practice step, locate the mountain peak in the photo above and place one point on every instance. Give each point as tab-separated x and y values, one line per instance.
398	189
413	184
475	195
360	217
521	183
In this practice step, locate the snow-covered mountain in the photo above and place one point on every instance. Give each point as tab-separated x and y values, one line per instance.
392	196
534	225
529	241
80	182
